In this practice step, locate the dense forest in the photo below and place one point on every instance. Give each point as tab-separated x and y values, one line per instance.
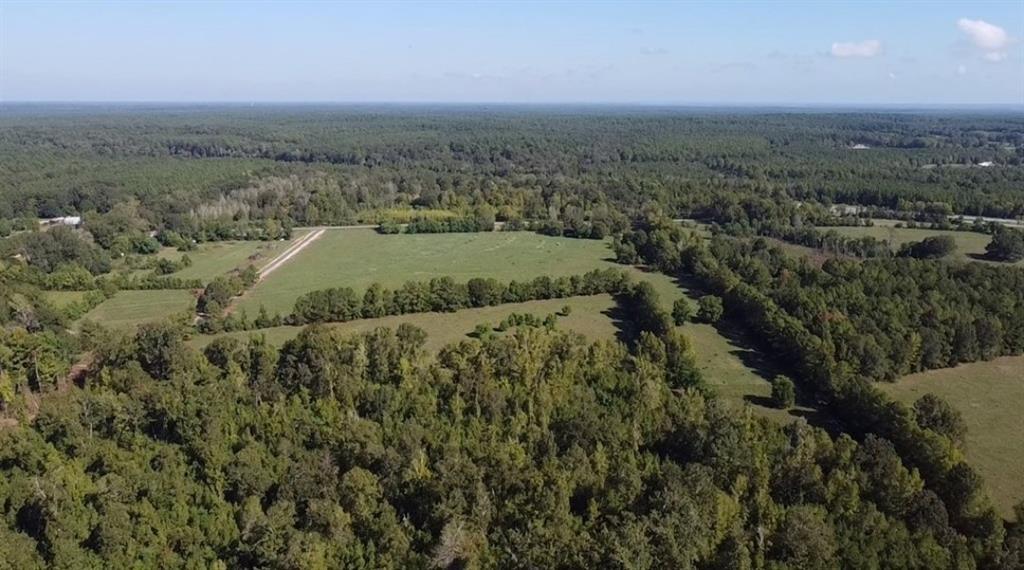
524	446
193	167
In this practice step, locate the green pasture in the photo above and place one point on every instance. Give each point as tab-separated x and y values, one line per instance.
990	395
128	309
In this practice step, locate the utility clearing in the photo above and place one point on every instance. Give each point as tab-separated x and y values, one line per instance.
293	250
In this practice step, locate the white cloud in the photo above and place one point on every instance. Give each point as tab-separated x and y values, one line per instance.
983	34
961	70
986	36
892	75
866	48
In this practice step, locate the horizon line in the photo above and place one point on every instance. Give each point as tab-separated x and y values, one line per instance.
579	104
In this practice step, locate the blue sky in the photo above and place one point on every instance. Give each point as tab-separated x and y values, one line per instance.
600	52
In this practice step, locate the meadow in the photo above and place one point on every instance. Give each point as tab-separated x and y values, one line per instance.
359	257
129	309
969	245
589	316
61	299
990	395
212	259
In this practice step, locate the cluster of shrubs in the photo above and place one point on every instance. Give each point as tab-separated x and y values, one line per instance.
516	320
528	320
234	322
1007	245
218	293
149	282
159	265
443	294
222	230
438	226
92	299
583	230
933	247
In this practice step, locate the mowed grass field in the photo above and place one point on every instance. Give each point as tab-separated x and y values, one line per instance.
990	395
212	259
128	309
359	257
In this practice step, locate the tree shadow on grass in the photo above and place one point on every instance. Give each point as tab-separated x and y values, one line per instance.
625	332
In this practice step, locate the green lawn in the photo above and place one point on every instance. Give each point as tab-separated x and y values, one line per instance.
213	259
589	317
990	395
128	309
358	258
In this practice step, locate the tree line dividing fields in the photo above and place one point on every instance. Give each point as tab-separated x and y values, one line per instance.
208	261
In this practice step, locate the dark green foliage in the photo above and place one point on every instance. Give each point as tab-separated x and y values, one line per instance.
443	294
641	303
1007	245
55	248
934	413
933	247
710	309
532	449
335	166
830	327
783	392
448	225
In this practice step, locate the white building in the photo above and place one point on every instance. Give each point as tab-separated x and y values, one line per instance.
73	221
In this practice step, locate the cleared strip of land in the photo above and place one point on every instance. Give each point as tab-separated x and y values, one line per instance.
291	252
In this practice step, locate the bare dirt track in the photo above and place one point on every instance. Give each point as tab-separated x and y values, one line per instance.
291	252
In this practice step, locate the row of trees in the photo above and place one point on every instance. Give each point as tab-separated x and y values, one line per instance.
443	294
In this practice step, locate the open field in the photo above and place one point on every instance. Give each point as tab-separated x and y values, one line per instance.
969	244
128	309
61	299
358	258
590	317
990	395
212	259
